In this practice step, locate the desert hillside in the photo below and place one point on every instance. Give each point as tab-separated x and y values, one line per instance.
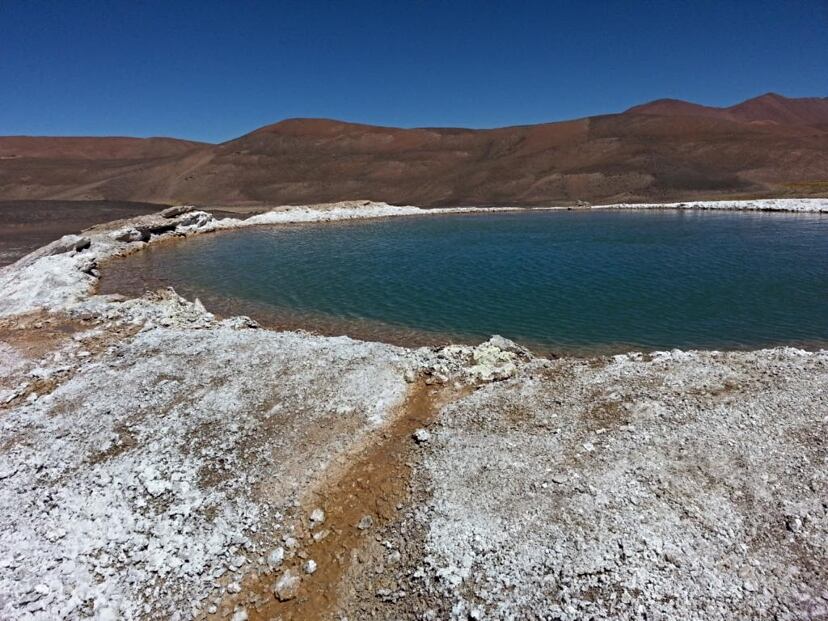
665	150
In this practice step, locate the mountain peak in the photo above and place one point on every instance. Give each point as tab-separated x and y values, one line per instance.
769	96
673	107
307	126
767	108
776	108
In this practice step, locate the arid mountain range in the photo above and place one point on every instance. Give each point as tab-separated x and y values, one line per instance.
660	151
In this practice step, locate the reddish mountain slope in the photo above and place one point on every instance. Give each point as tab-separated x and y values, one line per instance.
664	150
768	108
114	148
777	109
77	168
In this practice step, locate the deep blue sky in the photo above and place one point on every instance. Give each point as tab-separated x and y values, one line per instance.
214	70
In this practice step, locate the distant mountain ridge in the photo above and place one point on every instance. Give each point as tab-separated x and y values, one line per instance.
663	150
767	108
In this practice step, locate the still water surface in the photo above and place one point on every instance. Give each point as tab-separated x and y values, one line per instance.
565	281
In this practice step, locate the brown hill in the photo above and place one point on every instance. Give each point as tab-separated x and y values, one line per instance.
768	108
665	150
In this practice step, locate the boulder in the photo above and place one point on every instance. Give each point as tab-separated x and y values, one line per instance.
176	210
504	344
130	235
66	244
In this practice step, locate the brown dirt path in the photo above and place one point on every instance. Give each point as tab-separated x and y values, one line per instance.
375	484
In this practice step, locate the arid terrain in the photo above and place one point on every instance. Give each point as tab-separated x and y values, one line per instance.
158	461
28	225
770	146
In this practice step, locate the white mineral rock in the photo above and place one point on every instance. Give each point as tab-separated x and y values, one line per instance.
287	587
421	436
317	517
275	558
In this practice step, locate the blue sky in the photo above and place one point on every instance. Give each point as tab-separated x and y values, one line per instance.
214	70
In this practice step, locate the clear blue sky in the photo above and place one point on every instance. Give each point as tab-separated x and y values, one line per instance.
214	70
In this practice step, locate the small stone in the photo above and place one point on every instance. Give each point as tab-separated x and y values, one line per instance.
233	587
793	524
309	566
504	344
365	522
421	436
317	516
275	558
213	609
394	557
321	534
287	587
672	557
239	615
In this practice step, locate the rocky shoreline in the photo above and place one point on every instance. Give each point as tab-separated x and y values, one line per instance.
159	462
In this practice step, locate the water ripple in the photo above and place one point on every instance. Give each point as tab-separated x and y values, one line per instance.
569	280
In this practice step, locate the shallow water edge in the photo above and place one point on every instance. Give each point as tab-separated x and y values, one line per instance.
739	253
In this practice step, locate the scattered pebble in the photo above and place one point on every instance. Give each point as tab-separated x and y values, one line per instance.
793	524
287	587
422	435
275	558
317	517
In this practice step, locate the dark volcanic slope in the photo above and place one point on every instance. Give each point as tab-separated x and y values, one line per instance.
664	150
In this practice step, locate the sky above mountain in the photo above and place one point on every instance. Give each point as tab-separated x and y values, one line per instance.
212	70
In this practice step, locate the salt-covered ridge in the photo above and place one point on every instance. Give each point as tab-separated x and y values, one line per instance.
153	457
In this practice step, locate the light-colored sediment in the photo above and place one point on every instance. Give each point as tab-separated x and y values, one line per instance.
686	485
799	205
156	462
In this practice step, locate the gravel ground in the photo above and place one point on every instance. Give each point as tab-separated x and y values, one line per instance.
682	486
168	460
